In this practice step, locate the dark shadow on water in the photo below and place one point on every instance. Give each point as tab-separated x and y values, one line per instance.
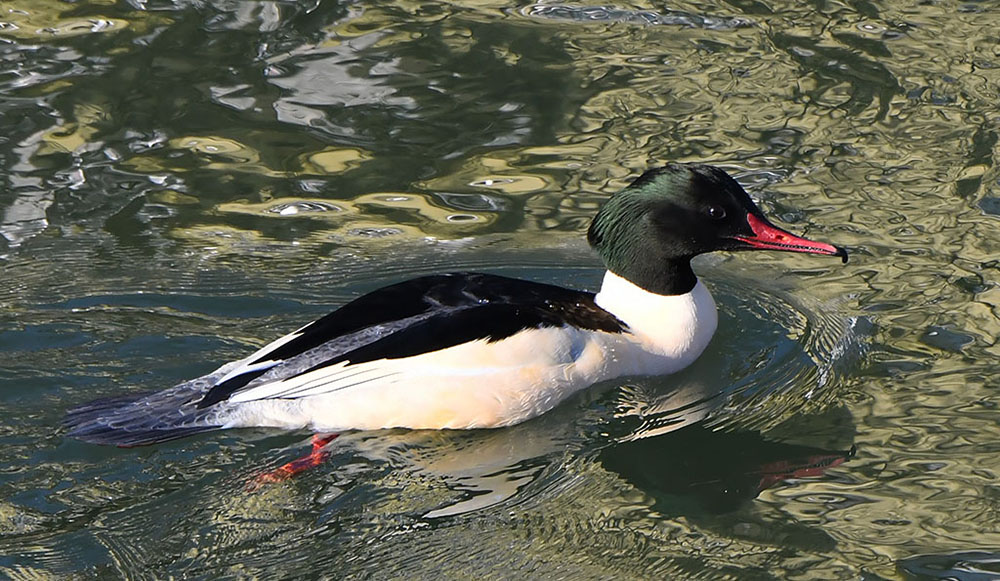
700	471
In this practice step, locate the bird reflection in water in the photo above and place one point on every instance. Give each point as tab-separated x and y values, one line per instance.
716	471
655	439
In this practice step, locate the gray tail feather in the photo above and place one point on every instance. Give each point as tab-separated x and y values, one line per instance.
141	419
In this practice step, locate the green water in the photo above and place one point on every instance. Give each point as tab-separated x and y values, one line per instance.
183	181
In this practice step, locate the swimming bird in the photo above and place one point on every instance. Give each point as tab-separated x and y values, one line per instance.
470	350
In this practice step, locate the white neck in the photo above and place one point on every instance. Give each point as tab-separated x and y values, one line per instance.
678	326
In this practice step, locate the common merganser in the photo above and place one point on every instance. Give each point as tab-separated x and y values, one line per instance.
479	350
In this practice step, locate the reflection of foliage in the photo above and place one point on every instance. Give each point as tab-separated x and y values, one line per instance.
405	97
378	215
868	79
42	20
229	155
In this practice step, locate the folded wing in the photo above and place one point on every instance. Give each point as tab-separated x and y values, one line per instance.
411	318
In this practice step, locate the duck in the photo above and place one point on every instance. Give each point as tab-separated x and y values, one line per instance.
477	350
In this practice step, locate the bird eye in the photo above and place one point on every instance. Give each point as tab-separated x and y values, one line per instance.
716	212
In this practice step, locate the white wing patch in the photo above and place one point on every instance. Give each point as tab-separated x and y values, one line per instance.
273	345
240	370
244	365
321	381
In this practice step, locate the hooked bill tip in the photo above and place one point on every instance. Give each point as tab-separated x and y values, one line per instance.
842	253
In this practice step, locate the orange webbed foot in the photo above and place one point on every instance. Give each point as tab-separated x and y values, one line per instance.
293	468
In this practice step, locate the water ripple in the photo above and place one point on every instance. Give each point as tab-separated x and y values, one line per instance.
170	173
648	17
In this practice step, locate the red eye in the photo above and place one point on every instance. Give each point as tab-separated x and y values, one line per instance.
716	212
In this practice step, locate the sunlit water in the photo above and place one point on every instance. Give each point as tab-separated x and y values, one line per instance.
181	182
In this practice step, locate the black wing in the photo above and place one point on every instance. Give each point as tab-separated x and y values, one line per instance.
420	316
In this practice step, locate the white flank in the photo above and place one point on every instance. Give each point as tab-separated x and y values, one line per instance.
484	384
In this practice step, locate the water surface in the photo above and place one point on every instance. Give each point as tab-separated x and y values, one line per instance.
181	182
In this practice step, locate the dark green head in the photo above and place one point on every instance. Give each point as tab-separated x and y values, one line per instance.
648	232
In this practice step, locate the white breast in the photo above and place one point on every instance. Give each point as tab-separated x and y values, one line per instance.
668	331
